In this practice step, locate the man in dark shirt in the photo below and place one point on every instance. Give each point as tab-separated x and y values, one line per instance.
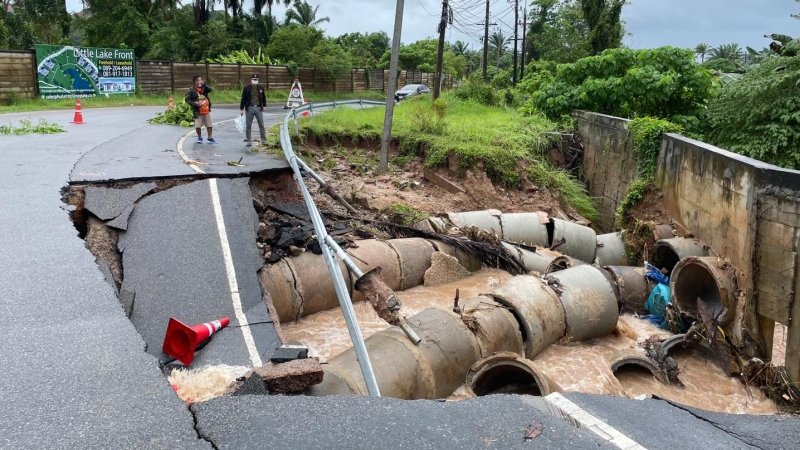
197	97
253	102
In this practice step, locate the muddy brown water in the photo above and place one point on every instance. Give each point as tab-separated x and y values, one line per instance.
572	366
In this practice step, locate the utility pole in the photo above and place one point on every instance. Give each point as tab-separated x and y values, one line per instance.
486	44
440	52
516	26
524	37
391	88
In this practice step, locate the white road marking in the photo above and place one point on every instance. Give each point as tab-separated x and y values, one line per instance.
249	342
592	423
183	155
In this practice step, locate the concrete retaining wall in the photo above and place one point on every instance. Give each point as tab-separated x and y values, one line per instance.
746	210
609	165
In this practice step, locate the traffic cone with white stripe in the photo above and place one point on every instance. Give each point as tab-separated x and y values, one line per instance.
78	117
182	340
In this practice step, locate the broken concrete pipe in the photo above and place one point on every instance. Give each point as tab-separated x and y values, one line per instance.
611	250
302	285
537	309
632	287
435	367
702	288
542	260
534	228
667	252
590	304
507	373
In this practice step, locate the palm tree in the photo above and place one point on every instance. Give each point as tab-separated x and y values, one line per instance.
460	48
731	52
258	6
701	50
497	44
302	13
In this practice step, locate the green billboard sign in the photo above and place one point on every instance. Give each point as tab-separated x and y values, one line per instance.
80	72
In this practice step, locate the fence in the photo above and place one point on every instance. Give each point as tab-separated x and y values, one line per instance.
18	77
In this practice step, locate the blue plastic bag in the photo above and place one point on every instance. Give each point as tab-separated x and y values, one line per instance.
656	305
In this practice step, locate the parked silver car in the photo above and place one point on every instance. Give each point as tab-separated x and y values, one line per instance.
410	90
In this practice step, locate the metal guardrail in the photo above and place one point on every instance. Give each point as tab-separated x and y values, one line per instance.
327	244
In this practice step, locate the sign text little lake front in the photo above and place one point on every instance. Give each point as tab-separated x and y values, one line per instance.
79	72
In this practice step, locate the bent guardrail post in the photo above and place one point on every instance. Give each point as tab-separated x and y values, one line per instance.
336	274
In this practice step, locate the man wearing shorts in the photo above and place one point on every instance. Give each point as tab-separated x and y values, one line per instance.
197	98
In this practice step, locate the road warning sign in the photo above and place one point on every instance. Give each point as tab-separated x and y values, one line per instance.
296	97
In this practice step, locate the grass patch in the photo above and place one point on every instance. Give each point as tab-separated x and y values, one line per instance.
27	127
504	140
227	96
405	214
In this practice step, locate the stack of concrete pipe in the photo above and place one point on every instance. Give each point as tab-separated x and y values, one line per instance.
537	229
523	315
302	285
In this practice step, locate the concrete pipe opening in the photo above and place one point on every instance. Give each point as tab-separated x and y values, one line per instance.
631	285
667	252
700	284
635	366
506	373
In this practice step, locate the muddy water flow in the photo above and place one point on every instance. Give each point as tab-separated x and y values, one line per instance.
573	366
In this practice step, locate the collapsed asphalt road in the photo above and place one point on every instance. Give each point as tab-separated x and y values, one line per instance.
76	370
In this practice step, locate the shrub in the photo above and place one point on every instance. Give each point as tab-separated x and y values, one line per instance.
474	88
759	114
660	82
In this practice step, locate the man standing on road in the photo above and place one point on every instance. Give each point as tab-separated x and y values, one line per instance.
197	97
253	101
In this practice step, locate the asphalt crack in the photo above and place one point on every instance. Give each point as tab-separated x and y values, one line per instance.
200	434
737	436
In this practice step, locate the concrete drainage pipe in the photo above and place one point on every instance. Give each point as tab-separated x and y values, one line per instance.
667	252
372	253
485	220
627	361
537	310
611	250
542	260
525	228
701	283
581	241
631	285
434	368
507	373
590	303
415	258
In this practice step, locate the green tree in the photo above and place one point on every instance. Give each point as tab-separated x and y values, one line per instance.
48	18
454	65
302	13
420	55
460	48
292	43
117	23
605	25
366	49
731	52
329	59
702	50
758	115
15	30
498	44
563	37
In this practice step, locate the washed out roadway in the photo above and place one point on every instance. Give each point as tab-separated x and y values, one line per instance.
75	370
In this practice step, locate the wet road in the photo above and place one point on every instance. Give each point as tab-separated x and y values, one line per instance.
76	372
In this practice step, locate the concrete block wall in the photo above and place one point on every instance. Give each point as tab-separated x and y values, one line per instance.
746	210
609	165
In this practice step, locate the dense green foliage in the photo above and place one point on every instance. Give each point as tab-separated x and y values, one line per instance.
508	144
759	114
603	19
645	134
27	127
662	82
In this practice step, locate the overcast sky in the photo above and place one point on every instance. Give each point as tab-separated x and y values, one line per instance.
650	23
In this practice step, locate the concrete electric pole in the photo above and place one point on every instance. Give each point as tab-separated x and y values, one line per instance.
446	15
485	43
391	88
516	26
524	31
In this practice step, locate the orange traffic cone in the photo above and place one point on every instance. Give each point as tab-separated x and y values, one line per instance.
181	340
78	119
171	104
